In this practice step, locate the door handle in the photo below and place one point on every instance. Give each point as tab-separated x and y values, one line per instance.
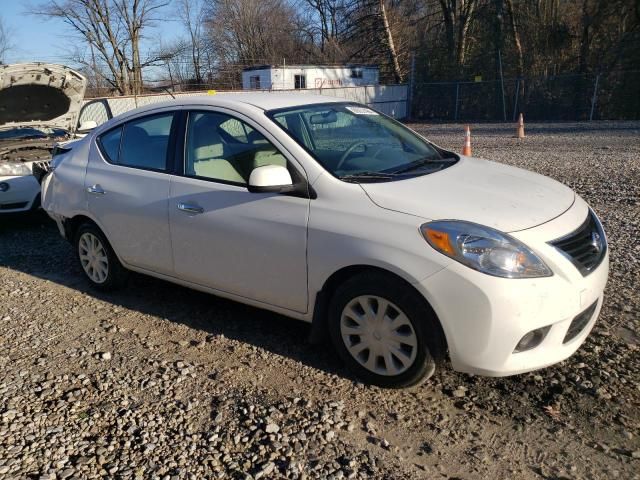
190	208
95	190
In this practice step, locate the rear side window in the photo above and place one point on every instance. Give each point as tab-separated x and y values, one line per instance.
110	143
145	142
141	143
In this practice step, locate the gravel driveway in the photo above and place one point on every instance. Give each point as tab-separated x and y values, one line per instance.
159	381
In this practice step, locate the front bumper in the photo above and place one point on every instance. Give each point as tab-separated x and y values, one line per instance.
20	196
484	317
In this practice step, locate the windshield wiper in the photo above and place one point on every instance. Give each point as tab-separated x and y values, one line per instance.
422	162
367	176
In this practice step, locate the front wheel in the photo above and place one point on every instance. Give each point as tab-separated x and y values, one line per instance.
382	330
97	259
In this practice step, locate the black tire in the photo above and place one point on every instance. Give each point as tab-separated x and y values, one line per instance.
414	307
116	276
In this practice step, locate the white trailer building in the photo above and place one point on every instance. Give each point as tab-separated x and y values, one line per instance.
290	77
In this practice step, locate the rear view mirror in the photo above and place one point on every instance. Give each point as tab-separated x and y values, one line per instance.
87	126
270	178
322	118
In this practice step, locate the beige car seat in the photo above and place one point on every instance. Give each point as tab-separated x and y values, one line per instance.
207	154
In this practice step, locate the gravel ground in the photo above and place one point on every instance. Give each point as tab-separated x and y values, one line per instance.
162	382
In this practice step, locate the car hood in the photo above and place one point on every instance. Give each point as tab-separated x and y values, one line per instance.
40	94
492	194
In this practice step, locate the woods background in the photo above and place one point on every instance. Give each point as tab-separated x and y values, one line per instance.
463	59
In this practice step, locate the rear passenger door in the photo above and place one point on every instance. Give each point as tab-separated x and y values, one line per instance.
224	237
127	184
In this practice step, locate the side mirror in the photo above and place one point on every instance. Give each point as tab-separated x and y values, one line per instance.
87	126
270	178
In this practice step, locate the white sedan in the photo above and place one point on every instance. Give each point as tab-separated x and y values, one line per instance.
332	213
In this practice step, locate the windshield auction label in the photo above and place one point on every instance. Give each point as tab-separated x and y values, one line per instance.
361	111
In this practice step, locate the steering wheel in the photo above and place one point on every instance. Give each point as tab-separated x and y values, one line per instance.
350	150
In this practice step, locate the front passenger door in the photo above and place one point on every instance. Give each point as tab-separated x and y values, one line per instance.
224	237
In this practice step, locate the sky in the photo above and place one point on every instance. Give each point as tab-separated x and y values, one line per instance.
40	39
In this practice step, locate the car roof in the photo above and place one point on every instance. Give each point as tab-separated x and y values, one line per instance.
261	100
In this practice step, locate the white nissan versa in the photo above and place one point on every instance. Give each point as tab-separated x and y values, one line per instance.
332	213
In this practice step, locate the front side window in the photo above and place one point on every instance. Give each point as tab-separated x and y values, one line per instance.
145	142
222	148
353	142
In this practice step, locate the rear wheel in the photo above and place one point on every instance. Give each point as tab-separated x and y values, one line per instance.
97	259
382	330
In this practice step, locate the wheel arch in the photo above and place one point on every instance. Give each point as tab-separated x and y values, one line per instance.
319	330
72	224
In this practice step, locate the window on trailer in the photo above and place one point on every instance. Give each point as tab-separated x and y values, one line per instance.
356	73
300	81
254	82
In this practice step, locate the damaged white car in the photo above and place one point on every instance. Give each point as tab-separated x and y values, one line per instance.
39	105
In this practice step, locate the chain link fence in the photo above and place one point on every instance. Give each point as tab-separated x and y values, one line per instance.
604	96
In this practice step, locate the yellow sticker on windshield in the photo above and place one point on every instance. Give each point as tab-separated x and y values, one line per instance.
362	111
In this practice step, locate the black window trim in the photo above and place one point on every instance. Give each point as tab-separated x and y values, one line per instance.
169	158
303	189
102	101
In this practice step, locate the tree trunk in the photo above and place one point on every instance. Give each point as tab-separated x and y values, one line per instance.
392	49
447	17
516	37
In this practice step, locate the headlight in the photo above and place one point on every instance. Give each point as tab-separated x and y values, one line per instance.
484	249
14	170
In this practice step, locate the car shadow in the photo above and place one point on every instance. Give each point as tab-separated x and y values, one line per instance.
31	244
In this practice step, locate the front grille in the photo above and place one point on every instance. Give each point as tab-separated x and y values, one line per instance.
585	247
13	206
578	323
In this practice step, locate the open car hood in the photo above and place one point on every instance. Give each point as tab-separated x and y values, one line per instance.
40	94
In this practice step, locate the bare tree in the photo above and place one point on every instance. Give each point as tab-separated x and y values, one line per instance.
6	43
458	16
192	14
249	32
393	54
370	34
515	32
113	29
326	19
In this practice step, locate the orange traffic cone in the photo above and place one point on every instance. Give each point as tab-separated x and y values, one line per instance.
466	150
520	130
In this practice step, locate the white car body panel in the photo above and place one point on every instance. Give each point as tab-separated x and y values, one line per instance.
23	190
499	196
485	345
249	244
277	251
132	211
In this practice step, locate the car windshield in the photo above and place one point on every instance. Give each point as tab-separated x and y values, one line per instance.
18	133
356	143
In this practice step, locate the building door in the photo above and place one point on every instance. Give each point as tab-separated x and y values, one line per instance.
300	81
